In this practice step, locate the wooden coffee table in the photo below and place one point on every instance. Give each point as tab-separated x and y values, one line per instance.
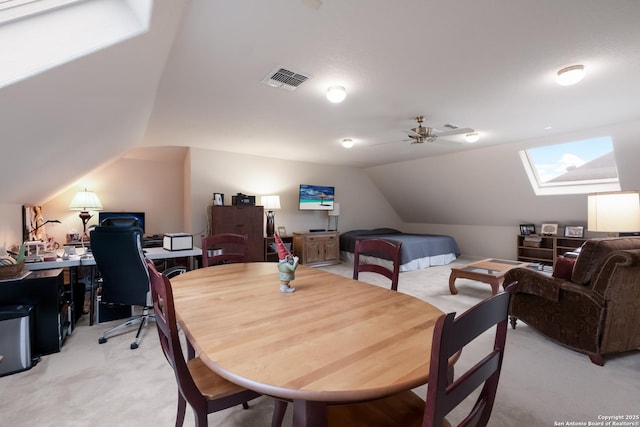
488	270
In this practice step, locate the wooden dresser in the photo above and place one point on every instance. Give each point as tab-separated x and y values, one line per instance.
241	220
317	248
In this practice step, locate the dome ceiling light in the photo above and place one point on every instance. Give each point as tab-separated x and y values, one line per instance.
472	137
347	143
570	75
336	94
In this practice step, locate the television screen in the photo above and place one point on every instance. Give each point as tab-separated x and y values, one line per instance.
102	215
316	198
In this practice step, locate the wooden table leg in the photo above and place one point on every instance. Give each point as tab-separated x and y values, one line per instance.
452	283
309	414
495	285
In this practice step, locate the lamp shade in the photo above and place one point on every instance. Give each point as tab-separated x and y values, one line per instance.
271	202
336	209
611	212
85	201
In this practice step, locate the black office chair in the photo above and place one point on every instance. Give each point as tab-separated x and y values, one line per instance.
117	248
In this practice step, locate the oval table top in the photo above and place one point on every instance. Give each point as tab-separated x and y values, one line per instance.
332	340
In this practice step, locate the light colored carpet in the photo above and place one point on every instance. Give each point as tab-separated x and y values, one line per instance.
87	384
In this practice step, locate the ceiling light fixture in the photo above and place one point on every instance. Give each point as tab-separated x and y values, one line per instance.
336	94
472	137
570	75
347	143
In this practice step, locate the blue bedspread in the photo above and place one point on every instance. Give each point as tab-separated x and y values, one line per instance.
414	246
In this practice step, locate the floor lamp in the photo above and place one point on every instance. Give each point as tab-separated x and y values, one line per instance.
334	213
614	212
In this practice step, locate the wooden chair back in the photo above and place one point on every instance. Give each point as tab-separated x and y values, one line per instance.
444	392
224	248
451	334
205	391
378	248
167	327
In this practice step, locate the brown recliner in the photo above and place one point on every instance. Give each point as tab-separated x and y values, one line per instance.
596	311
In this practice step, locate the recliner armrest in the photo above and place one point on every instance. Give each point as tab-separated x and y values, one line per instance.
534	282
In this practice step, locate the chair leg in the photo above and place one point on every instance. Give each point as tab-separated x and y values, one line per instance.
513	320
201	418
245	405
279	409
182	407
143	323
132	321
596	359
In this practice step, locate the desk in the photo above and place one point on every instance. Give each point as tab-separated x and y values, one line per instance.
82	259
332	340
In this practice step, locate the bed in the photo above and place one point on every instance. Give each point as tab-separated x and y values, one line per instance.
418	250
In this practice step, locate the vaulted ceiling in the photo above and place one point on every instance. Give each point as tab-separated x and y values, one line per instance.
487	65
195	79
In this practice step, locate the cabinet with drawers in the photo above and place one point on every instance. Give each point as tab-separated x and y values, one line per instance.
317	248
241	220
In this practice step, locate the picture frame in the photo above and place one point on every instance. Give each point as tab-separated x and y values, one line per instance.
282	231
549	229
526	229
574	231
218	199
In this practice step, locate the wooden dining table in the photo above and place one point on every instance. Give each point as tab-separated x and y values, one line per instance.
333	340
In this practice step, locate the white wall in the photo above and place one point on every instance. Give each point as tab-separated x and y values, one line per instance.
361	203
153	184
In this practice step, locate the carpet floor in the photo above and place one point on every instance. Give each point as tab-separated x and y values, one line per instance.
87	384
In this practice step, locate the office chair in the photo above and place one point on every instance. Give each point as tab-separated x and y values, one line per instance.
223	248
116	245
204	390
444	392
378	248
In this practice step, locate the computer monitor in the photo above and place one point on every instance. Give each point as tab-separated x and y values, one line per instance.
102	215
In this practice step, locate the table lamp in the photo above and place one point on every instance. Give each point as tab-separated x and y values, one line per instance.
270	203
85	201
334	213
614	212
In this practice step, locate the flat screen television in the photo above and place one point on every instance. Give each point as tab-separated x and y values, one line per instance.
102	215
316	197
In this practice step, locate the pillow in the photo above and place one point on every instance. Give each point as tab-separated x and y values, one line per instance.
563	268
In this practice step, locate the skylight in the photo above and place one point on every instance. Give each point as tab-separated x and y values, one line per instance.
572	168
37	35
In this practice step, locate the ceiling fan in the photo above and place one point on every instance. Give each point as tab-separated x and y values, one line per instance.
421	134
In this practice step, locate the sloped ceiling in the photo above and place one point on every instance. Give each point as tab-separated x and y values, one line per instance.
488	65
195	80
57	126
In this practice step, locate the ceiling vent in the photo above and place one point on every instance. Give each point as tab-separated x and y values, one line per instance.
285	79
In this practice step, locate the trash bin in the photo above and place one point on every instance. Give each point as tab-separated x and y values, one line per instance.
16	332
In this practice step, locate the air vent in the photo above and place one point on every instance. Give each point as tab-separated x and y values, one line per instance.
285	79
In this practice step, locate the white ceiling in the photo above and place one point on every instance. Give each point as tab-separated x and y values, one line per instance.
488	65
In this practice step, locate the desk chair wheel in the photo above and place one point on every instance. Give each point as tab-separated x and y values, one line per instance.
134	345
102	340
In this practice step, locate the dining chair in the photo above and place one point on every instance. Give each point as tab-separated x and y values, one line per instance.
451	334
224	248
378	248
198	385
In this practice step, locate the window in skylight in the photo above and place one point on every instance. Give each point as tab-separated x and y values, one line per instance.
41	38
572	168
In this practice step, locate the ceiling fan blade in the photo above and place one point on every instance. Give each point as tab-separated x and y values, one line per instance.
458	131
